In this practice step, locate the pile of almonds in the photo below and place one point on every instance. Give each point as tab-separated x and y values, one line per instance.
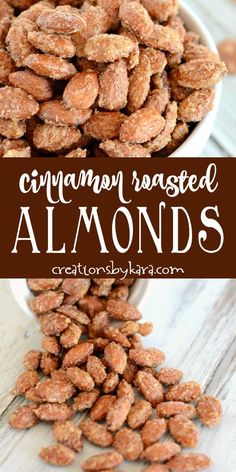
100	78
94	361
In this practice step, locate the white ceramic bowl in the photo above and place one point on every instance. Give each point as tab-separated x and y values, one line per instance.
197	140
139	293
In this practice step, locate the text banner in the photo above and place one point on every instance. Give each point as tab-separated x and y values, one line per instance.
118	217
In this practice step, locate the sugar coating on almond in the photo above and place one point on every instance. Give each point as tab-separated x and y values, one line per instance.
107	460
57	455
188	462
128	443
23	418
185	392
161	452
184	431
209	410
66	433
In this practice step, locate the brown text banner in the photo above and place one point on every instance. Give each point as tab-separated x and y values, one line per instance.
118	217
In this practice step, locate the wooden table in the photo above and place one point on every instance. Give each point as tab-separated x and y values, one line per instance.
195	325
220	17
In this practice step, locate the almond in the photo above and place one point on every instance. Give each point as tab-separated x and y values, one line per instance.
108	47
129	444
97	21
54	391
107	460
16	104
161	10
54	323
17	40
38	87
194	107
6	66
25	381
158	99
101	407
164	136
85	400
76	287
80	379
118	413
139	84
161	452
78	355
152	431
23	418
63	19
111	382
48	363
50	66
135	18
50	43
125	390
96	369
123	311
51	344
66	433
74	314
32	359
185	392
149	357
139	414
116	357
115	148
198	73
53	412
53	138
54	112
189	463
183	431
169	376
96	433
141	126
115	335
209	410
113	83
40	285
165	39
81	91
71	336
104	125
149	387
57	455
12	129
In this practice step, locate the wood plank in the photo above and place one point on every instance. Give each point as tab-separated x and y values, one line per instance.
213	149
219	17
18	334
225	125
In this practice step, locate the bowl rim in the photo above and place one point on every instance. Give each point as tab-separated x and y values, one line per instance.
207	40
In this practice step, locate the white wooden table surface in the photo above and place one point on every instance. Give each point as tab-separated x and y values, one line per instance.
220	18
195	325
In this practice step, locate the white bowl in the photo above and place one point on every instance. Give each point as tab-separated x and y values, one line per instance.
197	140
139	293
